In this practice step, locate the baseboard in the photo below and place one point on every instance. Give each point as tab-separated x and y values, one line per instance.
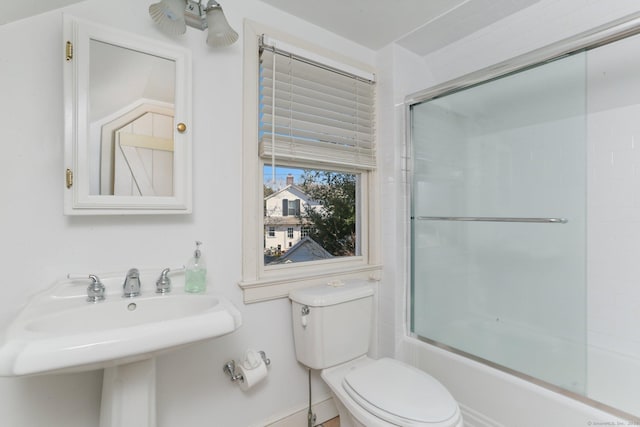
324	409
473	418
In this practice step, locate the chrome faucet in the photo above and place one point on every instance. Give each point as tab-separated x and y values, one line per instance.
131	286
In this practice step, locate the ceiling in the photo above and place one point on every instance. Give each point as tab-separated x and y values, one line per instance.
421	26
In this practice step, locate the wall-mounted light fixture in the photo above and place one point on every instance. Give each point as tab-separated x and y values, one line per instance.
173	16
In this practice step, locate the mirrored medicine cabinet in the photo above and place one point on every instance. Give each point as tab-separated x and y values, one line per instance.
127	113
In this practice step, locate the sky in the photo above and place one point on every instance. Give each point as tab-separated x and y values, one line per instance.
281	176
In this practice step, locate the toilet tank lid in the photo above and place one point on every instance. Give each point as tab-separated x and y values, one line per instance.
332	293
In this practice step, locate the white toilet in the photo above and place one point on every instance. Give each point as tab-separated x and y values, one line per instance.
331	331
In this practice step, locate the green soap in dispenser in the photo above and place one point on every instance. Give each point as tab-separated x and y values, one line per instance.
196	274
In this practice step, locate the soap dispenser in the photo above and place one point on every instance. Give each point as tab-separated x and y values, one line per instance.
196	273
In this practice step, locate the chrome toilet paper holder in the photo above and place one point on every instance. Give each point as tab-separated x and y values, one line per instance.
229	368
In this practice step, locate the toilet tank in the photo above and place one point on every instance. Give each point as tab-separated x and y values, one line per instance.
331	323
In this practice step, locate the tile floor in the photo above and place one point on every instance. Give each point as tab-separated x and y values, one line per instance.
334	422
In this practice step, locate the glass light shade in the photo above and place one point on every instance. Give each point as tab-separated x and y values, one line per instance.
220	33
169	15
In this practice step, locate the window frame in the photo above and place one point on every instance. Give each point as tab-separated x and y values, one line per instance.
260	282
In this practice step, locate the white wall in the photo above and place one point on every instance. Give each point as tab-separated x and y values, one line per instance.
613	233
399	73
507	401
39	245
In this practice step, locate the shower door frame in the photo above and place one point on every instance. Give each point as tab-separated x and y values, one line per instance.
602	35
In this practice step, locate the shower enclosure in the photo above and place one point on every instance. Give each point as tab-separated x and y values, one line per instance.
518	177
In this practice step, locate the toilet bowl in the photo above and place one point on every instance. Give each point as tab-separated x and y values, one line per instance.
331	328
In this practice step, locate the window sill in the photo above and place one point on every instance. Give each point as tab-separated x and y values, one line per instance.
279	287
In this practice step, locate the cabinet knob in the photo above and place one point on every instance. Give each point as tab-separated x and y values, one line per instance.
181	127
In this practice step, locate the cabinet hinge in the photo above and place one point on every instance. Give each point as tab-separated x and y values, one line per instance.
69	176
69	51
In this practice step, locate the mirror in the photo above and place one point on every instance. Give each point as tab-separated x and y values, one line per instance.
127	116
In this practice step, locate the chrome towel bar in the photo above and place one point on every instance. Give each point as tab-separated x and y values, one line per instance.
491	219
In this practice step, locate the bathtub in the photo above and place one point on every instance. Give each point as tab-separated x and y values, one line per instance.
491	396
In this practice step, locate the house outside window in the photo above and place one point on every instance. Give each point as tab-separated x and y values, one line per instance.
322	128
283	216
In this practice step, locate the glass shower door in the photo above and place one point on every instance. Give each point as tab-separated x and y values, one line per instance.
498	221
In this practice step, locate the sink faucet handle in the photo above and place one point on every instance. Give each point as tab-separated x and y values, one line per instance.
95	290
163	284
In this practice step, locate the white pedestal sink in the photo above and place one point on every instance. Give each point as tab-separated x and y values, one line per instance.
59	331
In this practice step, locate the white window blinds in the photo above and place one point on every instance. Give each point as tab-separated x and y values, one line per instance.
314	113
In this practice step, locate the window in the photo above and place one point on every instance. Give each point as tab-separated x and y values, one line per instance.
272	232
325	208
309	144
290	207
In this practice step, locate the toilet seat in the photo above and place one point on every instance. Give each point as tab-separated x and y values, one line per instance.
400	394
